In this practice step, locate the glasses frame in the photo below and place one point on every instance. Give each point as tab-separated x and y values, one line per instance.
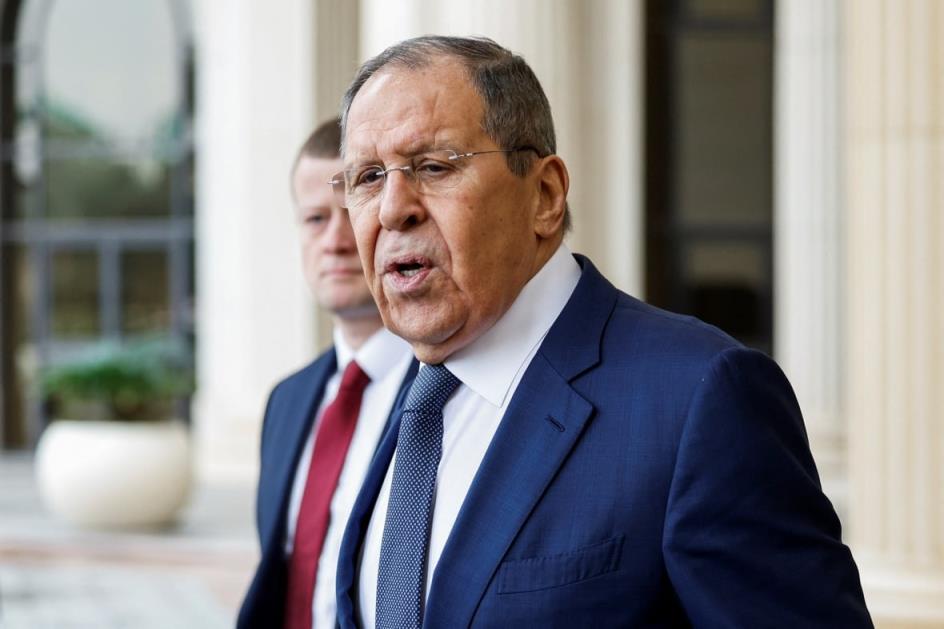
339	181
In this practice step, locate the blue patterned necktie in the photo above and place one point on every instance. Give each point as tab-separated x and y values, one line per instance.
405	545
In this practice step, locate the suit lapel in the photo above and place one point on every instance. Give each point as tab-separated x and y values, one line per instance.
291	424
538	431
541	426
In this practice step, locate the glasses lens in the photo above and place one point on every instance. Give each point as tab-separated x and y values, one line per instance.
337	186
363	185
437	171
432	172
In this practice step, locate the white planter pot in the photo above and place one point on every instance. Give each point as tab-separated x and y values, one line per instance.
114	474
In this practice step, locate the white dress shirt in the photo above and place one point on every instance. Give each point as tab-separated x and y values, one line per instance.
489	370
385	358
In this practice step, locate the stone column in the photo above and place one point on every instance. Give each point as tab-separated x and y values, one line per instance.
807	218
588	57
335	59
894	142
259	89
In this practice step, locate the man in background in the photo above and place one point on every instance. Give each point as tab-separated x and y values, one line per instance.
321	424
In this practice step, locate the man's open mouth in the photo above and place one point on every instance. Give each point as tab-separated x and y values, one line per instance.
408	266
409	270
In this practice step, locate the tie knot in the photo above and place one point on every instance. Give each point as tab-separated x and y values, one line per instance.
354	379
432	387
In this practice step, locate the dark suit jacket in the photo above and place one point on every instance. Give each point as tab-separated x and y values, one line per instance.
649	472
289	414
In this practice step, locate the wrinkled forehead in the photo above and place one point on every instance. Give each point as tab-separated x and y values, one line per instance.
401	111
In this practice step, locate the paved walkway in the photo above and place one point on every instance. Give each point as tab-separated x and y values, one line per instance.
55	576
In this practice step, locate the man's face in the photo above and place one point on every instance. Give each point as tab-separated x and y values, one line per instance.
474	247
329	255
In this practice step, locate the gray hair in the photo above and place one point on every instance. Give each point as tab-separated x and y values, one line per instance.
517	112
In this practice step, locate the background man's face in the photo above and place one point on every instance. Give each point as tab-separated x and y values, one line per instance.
474	247
329	255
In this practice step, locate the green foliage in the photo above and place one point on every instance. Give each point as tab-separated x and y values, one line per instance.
99	180
130	382
97	188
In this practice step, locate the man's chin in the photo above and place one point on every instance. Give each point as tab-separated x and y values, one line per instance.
354	310
430	346
431	354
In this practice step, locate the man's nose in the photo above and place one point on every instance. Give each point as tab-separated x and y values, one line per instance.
400	204
339	235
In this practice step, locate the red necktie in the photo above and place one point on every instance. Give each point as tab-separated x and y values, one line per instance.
327	459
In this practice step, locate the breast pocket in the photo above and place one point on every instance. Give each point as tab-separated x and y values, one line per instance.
541	573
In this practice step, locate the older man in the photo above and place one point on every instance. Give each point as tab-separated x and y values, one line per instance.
567	455
323	423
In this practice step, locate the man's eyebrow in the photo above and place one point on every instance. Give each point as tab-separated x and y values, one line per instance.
411	150
314	207
362	161
423	147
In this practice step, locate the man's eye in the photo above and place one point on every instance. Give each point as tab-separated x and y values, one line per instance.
369	177
317	218
432	167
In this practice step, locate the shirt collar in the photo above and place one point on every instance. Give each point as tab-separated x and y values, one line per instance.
377	356
491	363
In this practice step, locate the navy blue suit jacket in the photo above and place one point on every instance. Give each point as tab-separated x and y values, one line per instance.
649	472
288	419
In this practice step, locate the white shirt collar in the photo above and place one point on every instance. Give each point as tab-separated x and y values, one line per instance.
490	364
377	356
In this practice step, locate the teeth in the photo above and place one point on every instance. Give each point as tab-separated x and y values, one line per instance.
409	272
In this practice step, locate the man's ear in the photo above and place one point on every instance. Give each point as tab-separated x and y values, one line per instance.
553	181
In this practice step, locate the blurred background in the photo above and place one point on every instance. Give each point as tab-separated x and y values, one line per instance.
771	166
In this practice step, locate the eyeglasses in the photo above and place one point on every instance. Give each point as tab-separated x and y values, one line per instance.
433	172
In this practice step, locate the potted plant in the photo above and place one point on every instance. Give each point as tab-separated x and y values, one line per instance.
115	454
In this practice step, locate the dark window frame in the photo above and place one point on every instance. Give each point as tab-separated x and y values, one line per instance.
109	237
668	241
